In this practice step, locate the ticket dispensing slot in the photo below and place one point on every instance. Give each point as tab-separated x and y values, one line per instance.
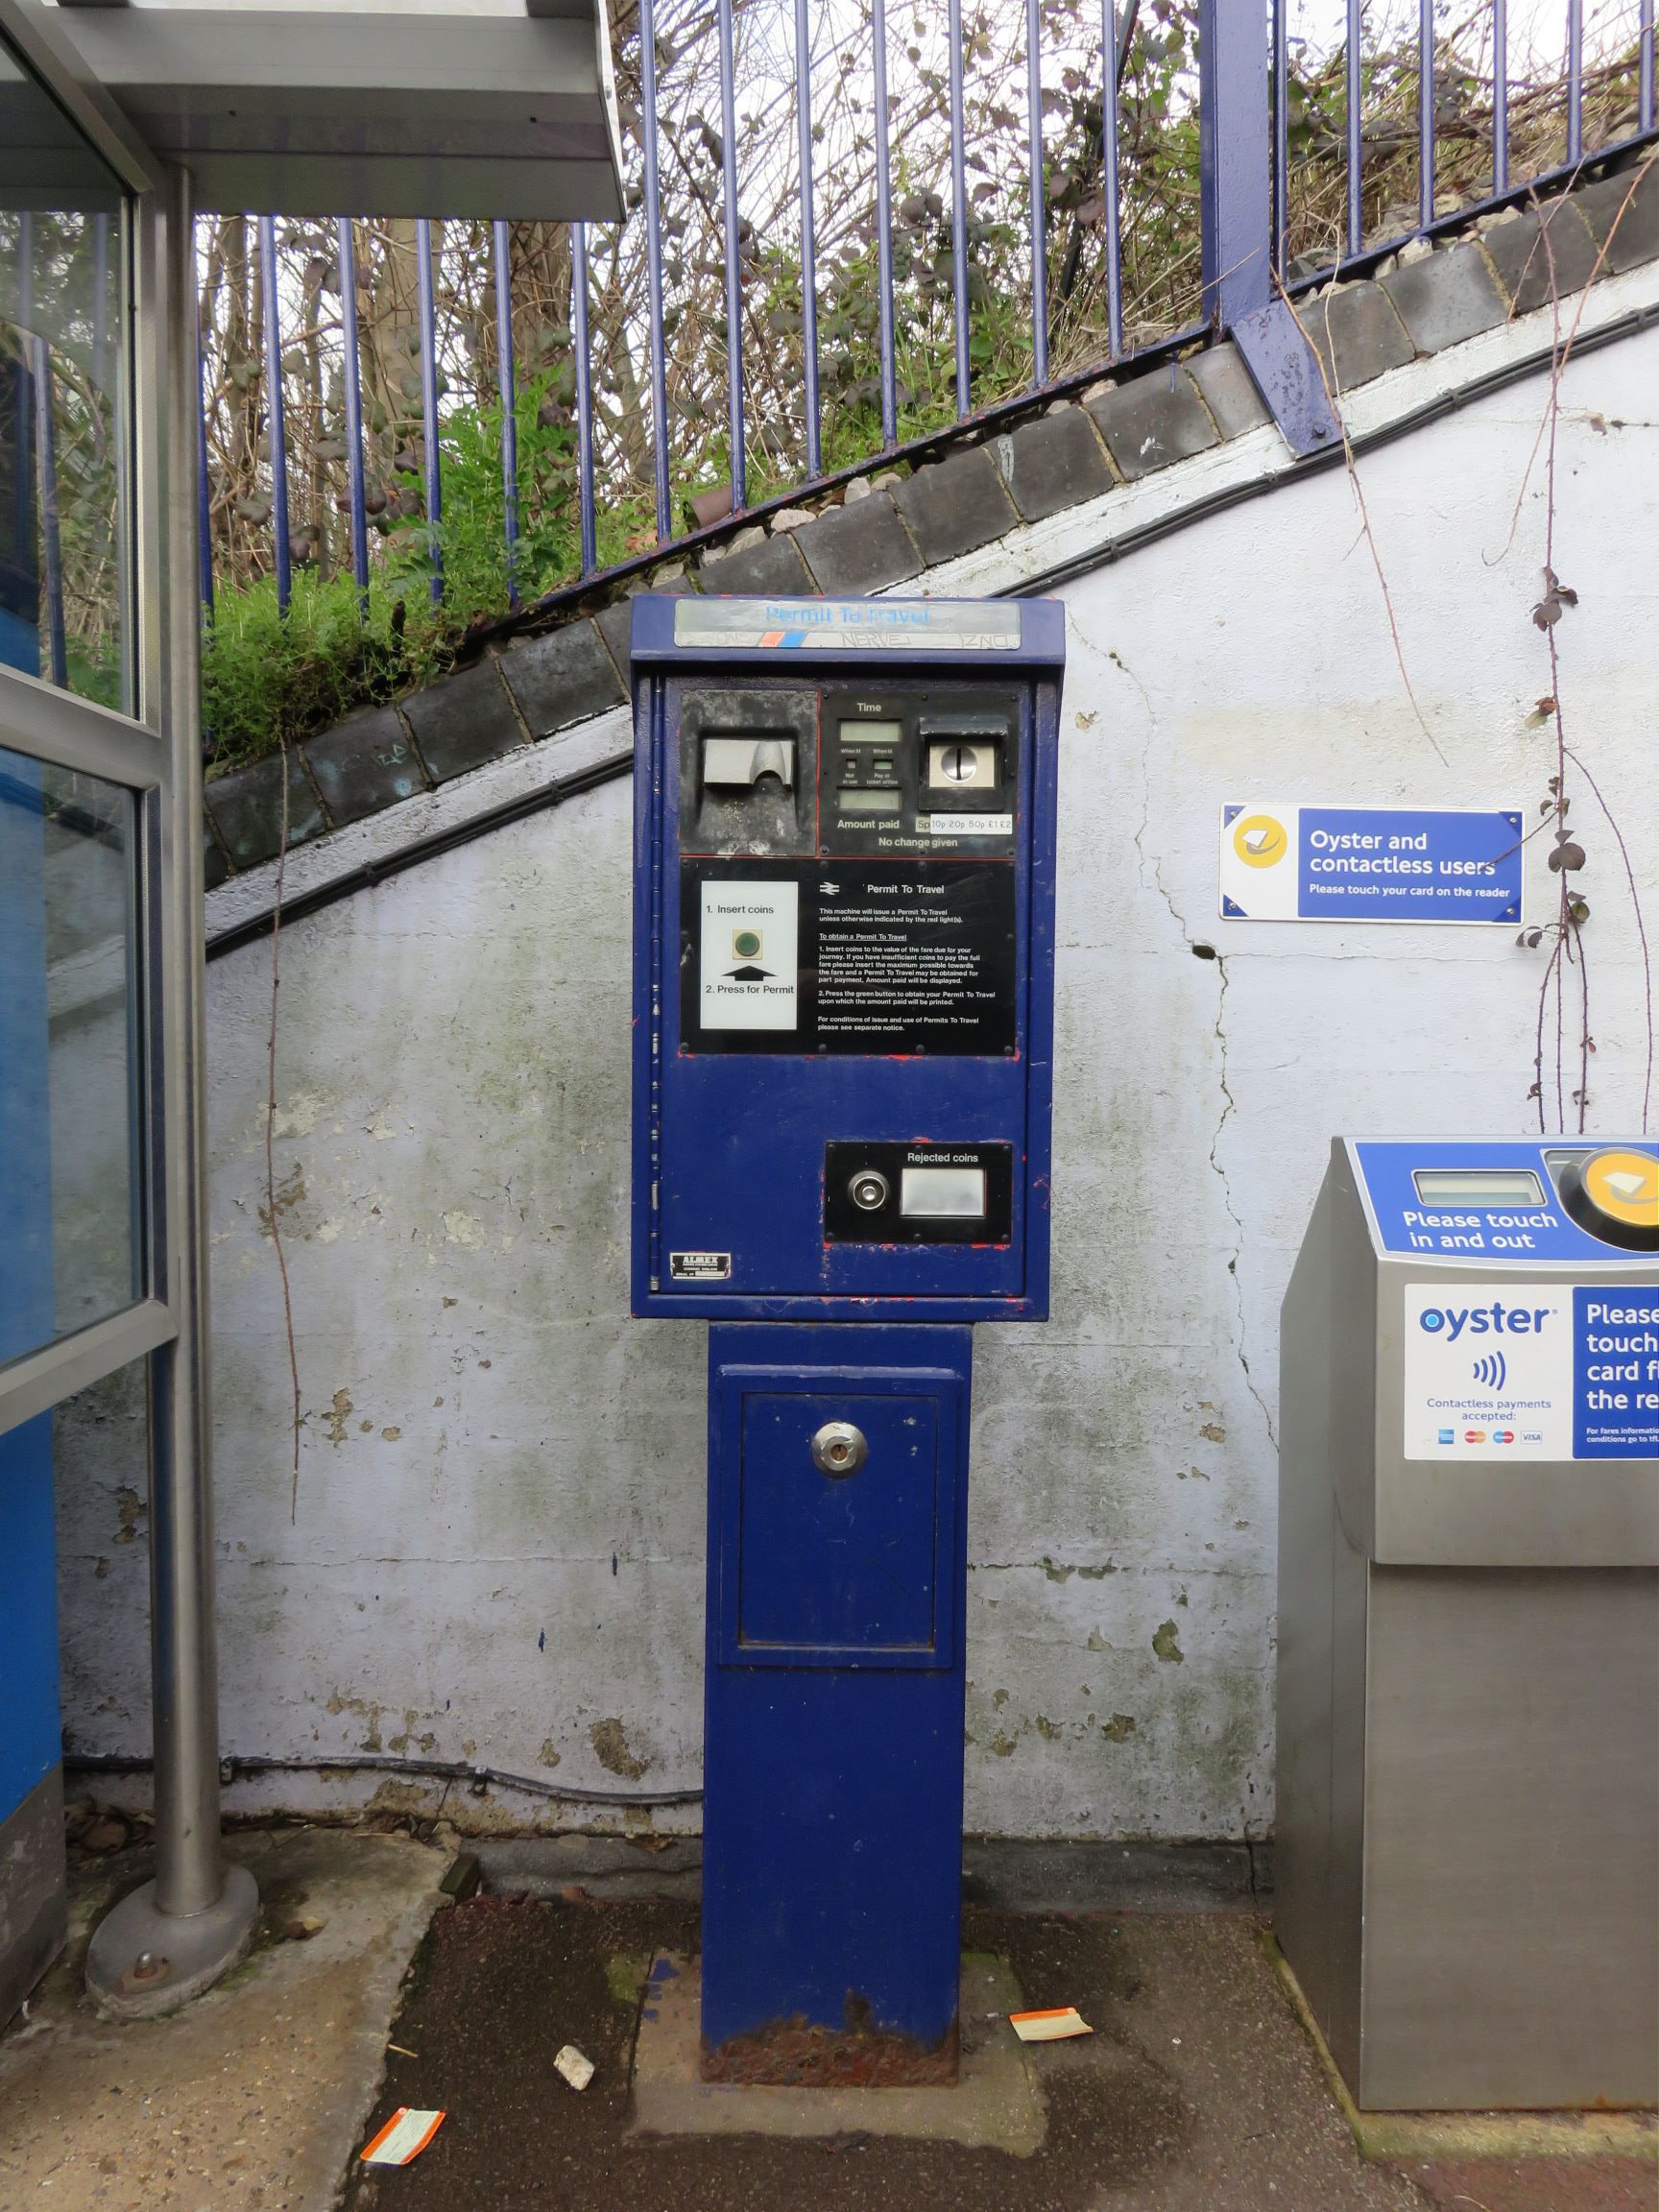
748	770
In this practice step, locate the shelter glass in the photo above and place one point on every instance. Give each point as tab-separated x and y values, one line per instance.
62	566
69	1181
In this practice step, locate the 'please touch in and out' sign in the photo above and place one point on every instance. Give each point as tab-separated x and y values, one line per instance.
1309	863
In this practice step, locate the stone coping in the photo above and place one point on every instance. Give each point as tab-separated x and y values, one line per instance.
887	531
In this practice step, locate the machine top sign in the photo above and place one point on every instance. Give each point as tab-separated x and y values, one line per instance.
858	625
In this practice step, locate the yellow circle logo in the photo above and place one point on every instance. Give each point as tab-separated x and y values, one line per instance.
1260	840
1624	1185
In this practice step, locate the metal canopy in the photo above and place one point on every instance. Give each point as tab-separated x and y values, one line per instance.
503	108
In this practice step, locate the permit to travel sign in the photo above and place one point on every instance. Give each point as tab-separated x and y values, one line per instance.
1314	863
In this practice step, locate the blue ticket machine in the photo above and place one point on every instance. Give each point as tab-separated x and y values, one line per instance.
844	949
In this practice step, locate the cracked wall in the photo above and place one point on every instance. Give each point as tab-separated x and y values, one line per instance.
497	1549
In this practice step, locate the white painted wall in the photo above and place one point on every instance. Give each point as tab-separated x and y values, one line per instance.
496	1549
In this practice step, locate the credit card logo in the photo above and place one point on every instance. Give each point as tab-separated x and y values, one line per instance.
1474	1436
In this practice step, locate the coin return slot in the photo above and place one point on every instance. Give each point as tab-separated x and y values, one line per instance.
942	1193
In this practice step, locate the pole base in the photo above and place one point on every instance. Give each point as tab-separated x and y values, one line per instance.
143	1961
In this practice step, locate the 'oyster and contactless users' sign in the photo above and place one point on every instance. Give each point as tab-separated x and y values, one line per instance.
1307	863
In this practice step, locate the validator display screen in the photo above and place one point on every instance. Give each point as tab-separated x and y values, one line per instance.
1477	1187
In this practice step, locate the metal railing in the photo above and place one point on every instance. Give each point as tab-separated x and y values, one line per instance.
1316	152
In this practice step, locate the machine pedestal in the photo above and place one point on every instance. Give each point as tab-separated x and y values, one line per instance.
832	1821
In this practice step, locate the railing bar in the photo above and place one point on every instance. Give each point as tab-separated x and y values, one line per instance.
884	227
351	384
959	217
734	271
653	264
1574	83
1281	135
808	236
51	541
1038	216
426	309
584	395
1113	56
1354	122
204	483
100	296
1424	112
1645	112
275	427
1501	94
501	244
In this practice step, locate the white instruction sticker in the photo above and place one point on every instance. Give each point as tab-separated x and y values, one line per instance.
971	825
749	962
1489	1371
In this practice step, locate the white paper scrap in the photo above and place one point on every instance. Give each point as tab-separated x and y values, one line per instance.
574	2068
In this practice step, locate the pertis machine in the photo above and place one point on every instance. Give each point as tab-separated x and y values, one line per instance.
844	899
1467	1881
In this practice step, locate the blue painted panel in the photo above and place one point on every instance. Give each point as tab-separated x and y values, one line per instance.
729	1144
1498	1232
833	1819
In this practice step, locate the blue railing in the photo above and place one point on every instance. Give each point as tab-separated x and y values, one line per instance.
1292	137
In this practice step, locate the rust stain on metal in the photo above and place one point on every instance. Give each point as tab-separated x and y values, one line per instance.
795	2053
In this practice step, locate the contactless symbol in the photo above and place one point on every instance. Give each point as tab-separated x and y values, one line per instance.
1492	1371
1261	840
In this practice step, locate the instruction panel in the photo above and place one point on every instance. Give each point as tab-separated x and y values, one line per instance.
848	957
1532	1371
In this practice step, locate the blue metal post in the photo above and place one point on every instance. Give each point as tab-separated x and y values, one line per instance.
1354	122
1039	205
1113	58
883	224
426	309
1645	110
1426	113
1281	135
352	385
100	303
1500	95
502	242
653	264
1574	79
960	216
583	393
1235	183
808	239
275	423
203	485
734	269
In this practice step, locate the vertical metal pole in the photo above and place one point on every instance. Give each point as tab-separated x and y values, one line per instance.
653	264
1113	57
1281	136
1500	95
883	224
733	273
197	1915
809	238
351	386
501	239
584	394
1575	81
100	303
1424	112
1355	121
960	216
1645	112
51	541
1235	183
275	425
426	311
1039	207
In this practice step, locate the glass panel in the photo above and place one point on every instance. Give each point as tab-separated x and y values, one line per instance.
62	564
68	1133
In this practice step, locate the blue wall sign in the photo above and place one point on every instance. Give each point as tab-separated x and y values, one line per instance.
1616	1372
1307	863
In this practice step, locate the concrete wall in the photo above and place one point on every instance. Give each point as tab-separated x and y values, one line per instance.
495	1549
